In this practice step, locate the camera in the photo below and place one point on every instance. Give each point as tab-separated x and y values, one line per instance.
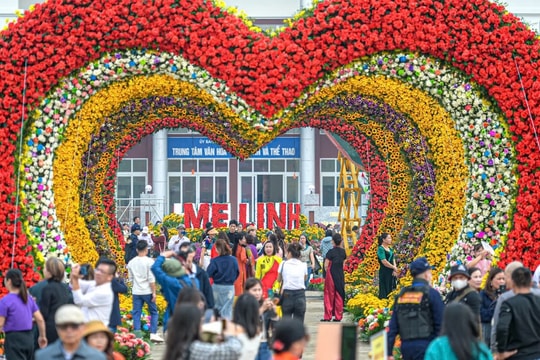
500	290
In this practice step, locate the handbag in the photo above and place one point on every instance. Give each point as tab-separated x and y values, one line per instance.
317	267
279	295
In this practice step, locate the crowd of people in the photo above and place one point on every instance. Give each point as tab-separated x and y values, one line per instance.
500	320
227	298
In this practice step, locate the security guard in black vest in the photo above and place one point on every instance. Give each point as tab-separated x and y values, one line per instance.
417	315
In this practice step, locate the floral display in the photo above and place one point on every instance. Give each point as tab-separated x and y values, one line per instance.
332	59
376	321
316	284
130	346
414	220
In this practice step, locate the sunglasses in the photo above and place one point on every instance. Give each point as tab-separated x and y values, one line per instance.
64	327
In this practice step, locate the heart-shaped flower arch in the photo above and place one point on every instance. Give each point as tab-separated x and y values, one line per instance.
479	38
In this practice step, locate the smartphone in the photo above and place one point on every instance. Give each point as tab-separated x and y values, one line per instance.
270	293
84	270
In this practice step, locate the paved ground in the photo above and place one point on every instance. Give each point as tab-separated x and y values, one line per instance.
313	315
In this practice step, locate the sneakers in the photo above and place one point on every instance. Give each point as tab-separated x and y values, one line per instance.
156	338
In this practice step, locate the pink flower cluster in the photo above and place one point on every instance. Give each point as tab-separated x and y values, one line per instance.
130	346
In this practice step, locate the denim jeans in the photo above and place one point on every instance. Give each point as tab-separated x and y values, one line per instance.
294	304
309	272
138	302
223	299
264	352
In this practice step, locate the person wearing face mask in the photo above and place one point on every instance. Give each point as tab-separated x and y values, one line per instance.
417	314
462	292
177	240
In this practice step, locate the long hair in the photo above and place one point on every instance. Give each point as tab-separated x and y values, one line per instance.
223	236
236	242
165	232
222	247
461	327
185	324
280	237
246	314
488	289
274	240
15	275
55	267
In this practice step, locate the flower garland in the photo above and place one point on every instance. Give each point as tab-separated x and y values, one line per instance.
479	37
451	171
110	131
416	159
119	60
92	115
135	136
487	143
117	135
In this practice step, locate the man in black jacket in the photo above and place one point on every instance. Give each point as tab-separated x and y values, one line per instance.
518	329
233	234
462	292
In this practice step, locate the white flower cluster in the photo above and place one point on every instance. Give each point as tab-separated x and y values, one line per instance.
488	148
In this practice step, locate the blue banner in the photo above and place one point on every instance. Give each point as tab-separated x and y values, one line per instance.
202	147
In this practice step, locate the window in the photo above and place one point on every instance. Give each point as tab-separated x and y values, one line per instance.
292	189
245	166
277	165
198	181
269	188
268	180
329	182
131	181
175	165
293	165
260	166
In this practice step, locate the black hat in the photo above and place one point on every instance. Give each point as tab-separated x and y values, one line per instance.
459	270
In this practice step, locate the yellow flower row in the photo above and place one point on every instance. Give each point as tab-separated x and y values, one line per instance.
447	153
367	303
108	101
446	149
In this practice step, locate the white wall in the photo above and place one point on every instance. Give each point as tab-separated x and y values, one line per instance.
528	11
7	11
267	9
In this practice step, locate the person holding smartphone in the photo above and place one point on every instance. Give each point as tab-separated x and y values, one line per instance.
495	286
268	315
